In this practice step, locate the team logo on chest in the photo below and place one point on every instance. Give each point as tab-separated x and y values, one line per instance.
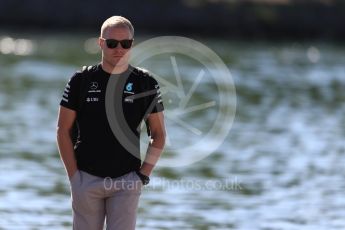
94	87
129	88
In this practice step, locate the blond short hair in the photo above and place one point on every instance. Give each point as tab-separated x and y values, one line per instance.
117	21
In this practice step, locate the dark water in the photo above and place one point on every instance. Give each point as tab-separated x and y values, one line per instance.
280	166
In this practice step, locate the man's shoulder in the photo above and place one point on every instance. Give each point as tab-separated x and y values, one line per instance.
87	69
143	74
84	72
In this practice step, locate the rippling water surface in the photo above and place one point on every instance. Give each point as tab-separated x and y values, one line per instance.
281	166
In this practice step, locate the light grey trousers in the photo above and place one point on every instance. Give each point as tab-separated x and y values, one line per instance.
95	199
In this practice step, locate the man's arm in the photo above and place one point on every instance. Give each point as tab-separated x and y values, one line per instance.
157	127
64	126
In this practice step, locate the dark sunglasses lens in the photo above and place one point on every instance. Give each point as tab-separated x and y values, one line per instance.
126	44
111	43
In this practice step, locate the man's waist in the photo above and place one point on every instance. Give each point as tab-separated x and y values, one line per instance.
109	170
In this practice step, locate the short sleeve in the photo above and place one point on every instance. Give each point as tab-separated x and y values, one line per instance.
154	102
71	93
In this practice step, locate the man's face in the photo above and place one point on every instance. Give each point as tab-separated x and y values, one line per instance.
117	56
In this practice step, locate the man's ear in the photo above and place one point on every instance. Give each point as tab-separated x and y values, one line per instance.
100	43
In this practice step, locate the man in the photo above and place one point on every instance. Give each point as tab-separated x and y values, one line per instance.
98	156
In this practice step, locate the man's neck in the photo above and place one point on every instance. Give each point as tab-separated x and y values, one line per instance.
118	69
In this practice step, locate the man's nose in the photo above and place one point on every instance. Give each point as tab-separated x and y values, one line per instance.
118	46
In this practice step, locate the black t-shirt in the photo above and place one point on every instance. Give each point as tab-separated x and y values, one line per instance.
98	151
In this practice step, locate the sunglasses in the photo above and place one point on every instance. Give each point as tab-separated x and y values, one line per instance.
112	43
